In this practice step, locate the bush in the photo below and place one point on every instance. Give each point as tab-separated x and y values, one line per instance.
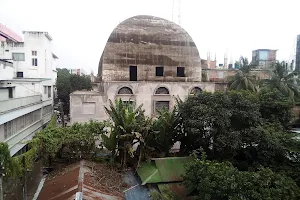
220	180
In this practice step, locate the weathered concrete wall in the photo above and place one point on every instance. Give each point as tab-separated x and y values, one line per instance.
149	42
143	93
221	75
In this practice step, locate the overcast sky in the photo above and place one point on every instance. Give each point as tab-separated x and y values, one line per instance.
80	28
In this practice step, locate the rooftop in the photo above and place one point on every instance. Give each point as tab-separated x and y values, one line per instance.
39	32
9	34
83	177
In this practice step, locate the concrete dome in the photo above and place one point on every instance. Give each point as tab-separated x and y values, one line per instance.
148	42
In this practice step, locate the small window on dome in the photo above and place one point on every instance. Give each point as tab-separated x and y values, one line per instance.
180	72
159	71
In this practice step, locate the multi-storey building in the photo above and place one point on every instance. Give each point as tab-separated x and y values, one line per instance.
263	58
27	79
79	72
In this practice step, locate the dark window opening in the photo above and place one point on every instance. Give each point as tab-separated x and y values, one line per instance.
128	102
161	104
159	71
180	72
133	73
162	90
125	90
49	91
34	62
196	91
10	93
20	74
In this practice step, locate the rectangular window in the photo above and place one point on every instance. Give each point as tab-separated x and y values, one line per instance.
45	89
18	56
133	73
34	62
180	72
49	91
19	74
160	104
10	93
34	53
159	71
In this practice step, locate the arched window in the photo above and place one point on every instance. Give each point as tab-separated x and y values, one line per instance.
162	90
196	91
125	90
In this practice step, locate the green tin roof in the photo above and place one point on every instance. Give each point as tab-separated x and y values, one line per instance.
163	170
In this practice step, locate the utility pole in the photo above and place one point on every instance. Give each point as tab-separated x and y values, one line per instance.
25	179
1	180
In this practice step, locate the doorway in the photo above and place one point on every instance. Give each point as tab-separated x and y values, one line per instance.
133	73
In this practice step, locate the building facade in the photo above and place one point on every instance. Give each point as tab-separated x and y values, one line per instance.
264	58
27	79
148	60
79	72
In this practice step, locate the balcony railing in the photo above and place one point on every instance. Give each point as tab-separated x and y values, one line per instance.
15	103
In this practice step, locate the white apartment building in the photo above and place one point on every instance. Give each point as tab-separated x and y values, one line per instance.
27	79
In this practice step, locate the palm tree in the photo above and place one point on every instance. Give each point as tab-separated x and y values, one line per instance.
286	83
242	79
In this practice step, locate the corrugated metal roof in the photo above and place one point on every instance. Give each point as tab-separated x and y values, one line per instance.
71	180
170	169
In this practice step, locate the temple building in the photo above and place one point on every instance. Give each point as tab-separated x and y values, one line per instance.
148	60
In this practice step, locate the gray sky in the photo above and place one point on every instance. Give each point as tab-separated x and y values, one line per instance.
80	29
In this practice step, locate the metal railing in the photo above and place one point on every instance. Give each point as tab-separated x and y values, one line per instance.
14	103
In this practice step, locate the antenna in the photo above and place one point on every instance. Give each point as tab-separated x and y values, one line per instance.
176	12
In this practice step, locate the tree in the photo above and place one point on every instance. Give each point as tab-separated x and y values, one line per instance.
67	83
130	126
286	83
165	129
221	181
217	121
275	107
242	79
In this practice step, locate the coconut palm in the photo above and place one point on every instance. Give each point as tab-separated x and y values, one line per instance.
286	83
242	79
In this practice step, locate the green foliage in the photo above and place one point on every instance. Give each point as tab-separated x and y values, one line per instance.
165	128
75	141
220	180
67	83
164	195
130	126
247	129
275	107
10	168
216	122
242	80
286	83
